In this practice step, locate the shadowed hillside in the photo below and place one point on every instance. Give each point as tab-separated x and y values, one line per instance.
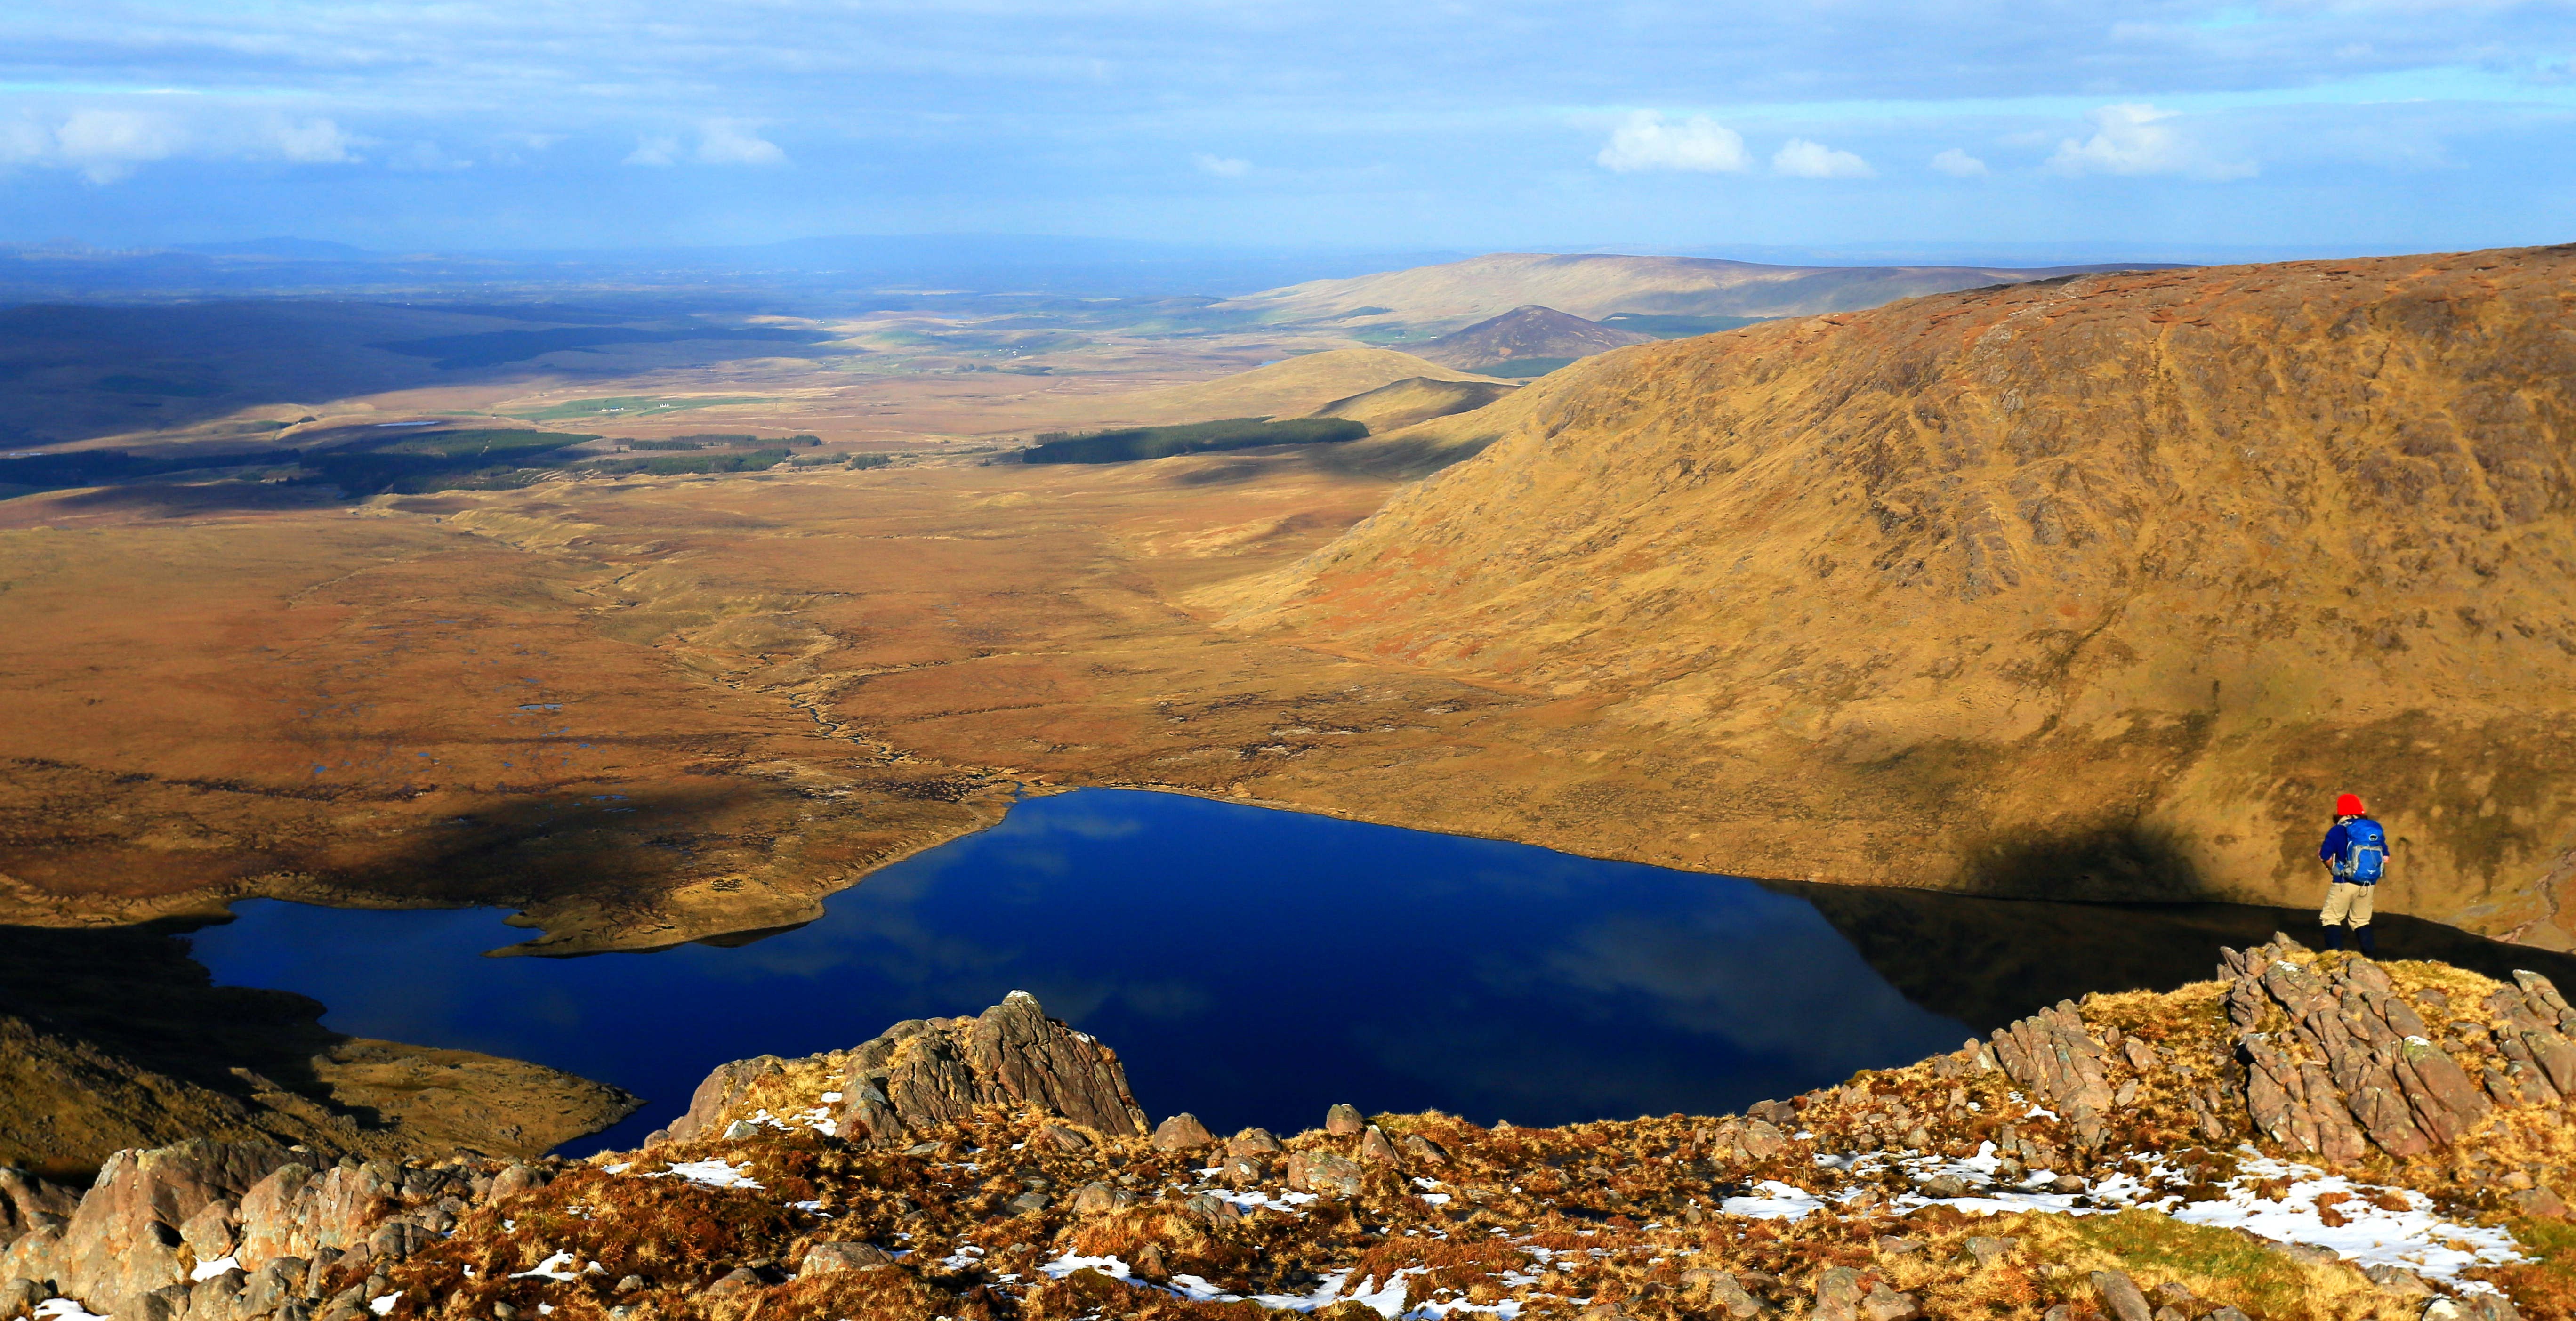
2092	588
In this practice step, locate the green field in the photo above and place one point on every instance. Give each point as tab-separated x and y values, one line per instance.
1129	444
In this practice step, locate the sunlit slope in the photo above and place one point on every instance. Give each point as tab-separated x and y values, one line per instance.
1414	399
2100	587
1595	285
1291	387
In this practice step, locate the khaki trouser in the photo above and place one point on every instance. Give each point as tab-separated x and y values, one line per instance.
2346	901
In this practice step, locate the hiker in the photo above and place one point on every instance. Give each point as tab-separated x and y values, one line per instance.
2356	852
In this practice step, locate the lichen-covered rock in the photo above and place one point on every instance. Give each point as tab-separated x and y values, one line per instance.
827	1258
2051	1055
1182	1132
123	1240
921	1073
720	1092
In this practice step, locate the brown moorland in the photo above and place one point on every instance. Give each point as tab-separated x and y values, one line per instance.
2090	589
2095	587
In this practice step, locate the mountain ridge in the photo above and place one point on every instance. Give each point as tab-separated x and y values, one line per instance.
2094	588
1595	285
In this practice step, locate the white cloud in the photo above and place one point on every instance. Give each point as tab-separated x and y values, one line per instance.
1647	141
655	151
732	142
1801	159
427	157
2135	138
312	142
1960	165
106	145
720	142
1223	167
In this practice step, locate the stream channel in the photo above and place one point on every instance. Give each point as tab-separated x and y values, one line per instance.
1255	966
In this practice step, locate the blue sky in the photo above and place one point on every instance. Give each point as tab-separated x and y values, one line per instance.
469	124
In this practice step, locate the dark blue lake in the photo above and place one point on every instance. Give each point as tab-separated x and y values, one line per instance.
1255	966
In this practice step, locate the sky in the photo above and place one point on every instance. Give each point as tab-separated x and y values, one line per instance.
1876	125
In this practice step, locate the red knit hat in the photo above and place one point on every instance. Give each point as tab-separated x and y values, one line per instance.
2349	805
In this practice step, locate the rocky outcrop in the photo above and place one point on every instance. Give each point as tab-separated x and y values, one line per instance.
27	1202
1009	1209
233	1231
924	1072
2334	1059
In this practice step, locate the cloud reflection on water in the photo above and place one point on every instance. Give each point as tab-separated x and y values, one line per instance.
1250	966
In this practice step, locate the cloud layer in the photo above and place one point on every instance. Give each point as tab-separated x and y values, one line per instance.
1508	122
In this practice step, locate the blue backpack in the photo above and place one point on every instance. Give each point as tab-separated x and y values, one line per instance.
2365	852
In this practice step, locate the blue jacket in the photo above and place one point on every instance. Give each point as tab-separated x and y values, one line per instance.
2331	851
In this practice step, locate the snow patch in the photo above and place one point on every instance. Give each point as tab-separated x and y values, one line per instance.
556	1267
207	1270
713	1173
2372	1234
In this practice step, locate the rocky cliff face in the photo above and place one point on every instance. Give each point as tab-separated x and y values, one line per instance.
2307	1136
2094	587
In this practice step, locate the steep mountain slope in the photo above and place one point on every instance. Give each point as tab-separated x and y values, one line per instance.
1414	399
1596	285
2098	587
1525	332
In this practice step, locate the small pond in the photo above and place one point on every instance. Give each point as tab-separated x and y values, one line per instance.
1255	966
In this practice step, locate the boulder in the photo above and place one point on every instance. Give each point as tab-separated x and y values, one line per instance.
721	1091
2120	1296
1838	1295
1724	1292
1101	1198
833	1258
1374	1147
1885	1304
123	1240
1324	1172
1424	1149
213	1230
1253	1142
1182	1132
268	1224
1344	1121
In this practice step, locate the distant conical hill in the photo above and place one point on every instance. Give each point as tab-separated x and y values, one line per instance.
2098	587
1525	333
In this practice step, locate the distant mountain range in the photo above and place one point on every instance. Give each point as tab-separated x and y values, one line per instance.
1269	283
1596	285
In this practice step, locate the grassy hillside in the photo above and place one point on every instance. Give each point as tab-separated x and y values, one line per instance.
2098	587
